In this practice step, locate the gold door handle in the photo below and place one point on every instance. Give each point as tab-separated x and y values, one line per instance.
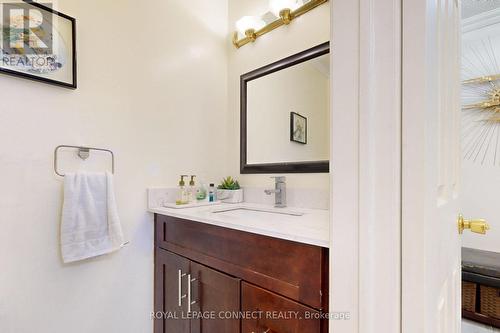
478	226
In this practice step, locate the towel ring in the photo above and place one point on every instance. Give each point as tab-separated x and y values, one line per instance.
83	153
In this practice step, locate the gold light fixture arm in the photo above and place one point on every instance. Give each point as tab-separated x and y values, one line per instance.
478	226
286	17
482	79
307	7
482	105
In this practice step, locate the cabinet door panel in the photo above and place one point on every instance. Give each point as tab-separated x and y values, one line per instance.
277	314
294	270
214	293
167	267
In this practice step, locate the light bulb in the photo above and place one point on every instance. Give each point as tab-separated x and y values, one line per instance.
276	6
249	23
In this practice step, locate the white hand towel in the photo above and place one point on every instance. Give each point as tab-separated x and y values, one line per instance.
90	224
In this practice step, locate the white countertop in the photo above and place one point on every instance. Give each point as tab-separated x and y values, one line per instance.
310	228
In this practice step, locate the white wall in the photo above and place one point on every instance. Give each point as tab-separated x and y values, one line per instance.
305	32
152	87
303	89
480	193
481	199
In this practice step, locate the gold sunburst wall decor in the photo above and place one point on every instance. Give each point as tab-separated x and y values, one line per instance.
481	101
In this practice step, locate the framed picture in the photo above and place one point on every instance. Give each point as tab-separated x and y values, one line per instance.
298	128
38	43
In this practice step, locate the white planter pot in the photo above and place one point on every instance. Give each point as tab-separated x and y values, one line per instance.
230	196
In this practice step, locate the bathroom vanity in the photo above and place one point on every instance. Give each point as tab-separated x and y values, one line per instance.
240	269
249	268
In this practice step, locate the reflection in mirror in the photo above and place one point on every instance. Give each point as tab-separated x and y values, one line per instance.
286	115
297	95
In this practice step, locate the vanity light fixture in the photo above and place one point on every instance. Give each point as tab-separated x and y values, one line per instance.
284	10
248	25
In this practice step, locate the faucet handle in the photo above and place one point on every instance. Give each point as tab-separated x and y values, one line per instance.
279	179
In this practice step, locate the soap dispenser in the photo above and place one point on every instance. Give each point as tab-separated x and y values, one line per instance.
201	191
182	195
192	190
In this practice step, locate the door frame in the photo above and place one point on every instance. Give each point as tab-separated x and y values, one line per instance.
366	165
413	179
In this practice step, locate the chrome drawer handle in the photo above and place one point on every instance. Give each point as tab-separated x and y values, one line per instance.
190	301
181	296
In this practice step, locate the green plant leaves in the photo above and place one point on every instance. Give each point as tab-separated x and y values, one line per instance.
229	184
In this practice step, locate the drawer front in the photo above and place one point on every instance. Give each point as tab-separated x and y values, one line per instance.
274	313
297	271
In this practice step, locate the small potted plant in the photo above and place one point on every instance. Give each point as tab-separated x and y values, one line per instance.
229	191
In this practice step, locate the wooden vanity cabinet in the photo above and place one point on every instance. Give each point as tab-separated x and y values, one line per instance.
216	292
179	281
279	313
233	272
166	295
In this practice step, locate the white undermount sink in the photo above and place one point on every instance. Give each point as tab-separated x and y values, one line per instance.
240	211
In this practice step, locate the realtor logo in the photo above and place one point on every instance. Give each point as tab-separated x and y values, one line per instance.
26	30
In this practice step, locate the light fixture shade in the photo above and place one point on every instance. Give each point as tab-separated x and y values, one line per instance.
249	22
276	6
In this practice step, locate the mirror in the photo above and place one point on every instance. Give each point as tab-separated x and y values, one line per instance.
285	115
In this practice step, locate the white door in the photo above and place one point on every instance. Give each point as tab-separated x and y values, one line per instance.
431	273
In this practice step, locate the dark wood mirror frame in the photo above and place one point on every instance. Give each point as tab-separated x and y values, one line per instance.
285	167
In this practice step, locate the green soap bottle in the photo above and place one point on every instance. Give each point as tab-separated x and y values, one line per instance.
201	192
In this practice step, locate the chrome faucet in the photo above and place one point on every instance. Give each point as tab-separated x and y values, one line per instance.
279	192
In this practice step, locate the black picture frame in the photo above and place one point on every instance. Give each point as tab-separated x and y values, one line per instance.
293	116
73	84
285	167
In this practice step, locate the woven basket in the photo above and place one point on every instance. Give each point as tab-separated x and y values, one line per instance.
469	296
490	302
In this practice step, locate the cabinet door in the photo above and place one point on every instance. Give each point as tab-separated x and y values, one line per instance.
276	313
214	294
170	289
